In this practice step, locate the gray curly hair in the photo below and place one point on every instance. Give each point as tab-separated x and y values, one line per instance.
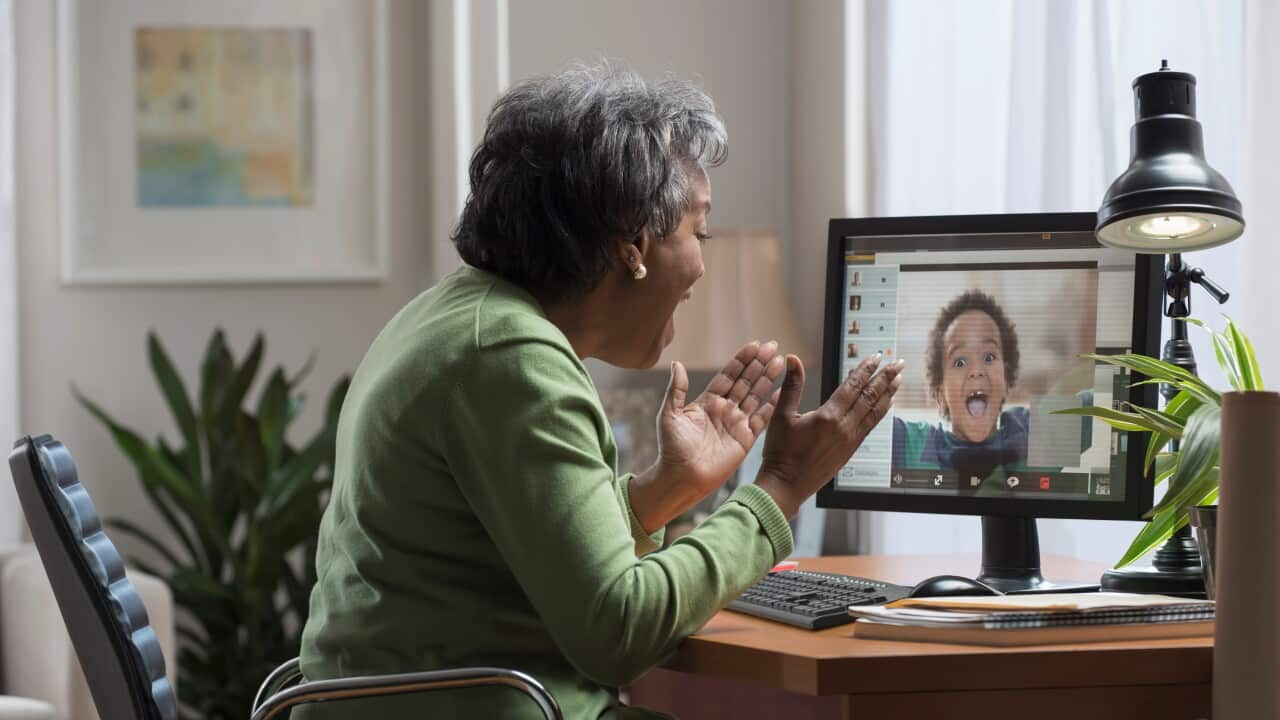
571	163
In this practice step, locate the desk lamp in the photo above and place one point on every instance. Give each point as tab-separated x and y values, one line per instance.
1169	201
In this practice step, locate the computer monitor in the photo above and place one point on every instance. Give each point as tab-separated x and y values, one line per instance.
992	314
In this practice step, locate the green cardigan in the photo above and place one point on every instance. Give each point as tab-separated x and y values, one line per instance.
477	519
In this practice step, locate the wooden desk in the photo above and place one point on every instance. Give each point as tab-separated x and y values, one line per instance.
739	666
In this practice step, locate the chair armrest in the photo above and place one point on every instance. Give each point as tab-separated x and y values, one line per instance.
279	678
35	649
401	684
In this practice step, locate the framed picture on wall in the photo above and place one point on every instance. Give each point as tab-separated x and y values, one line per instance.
223	142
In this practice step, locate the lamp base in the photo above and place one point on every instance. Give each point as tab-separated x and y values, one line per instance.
1186	583
1176	571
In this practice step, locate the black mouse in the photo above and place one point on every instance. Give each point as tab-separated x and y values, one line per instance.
950	586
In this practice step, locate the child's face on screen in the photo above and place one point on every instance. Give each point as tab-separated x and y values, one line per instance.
973	382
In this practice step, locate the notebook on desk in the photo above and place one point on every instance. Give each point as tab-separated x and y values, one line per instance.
1035	619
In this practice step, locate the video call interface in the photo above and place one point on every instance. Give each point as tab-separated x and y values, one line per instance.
992	341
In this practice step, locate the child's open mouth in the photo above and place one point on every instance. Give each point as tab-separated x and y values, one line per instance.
976	403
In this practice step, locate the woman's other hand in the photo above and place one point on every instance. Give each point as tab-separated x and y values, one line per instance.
804	450
701	443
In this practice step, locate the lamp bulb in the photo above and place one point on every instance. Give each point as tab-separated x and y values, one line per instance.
1173	226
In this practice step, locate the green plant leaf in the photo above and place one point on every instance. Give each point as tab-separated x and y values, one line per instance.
253	468
1165	463
1131	422
1152	535
1155	444
1182	404
175	394
273	409
215	372
1160	529
1197	459
289	480
303	372
1195	390
145	567
178	527
147	539
1160	371
1246	363
192	637
147	459
1163	423
296	402
1180	407
232	397
1225	356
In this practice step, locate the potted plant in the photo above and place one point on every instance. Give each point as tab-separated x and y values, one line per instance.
1192	417
242	504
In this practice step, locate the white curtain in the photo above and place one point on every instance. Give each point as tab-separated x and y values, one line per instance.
1260	246
11	527
1025	106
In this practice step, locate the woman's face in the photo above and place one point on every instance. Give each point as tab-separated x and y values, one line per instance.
673	265
973	382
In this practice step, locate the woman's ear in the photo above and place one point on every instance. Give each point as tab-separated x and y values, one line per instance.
633	251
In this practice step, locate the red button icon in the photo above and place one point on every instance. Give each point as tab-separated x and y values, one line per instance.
1044	483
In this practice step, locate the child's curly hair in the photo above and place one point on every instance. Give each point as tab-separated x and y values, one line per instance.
966	301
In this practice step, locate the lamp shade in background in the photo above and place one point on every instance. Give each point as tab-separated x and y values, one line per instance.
1169	200
739	299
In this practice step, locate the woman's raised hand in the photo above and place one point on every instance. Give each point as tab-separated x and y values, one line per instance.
804	450
703	442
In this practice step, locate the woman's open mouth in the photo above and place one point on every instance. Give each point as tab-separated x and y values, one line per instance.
976	403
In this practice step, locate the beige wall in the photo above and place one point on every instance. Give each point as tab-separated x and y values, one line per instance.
735	48
94	337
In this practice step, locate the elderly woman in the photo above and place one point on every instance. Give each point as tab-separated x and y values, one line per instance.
477	517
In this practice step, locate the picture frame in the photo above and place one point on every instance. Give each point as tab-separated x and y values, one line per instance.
228	142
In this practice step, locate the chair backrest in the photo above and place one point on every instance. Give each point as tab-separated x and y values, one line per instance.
117	648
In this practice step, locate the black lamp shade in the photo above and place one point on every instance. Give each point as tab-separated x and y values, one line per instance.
1170	199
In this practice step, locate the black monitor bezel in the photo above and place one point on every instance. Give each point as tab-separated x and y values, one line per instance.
1148	313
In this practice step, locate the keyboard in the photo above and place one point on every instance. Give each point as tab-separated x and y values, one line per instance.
813	600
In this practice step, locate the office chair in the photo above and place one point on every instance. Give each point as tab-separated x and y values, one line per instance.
116	646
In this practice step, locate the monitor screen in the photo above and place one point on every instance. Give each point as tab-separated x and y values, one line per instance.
992	325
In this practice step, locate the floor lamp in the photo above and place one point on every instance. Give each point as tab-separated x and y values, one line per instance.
1169	201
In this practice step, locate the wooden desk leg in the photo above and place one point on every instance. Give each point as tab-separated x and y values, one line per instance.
692	697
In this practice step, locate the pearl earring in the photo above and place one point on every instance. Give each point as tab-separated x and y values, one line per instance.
639	271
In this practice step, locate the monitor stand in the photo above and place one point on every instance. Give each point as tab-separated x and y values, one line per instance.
1011	558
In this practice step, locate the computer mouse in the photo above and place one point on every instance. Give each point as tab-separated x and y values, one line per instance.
951	586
